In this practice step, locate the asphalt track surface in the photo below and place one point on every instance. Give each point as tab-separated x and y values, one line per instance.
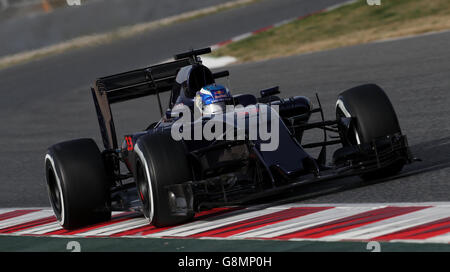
414	73
48	101
65	23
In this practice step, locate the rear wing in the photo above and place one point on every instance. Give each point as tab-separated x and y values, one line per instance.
138	83
142	82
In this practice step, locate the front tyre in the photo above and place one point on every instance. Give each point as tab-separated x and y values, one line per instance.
374	118
160	162
77	183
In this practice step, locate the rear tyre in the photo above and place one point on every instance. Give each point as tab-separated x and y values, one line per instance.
375	117
160	161
77	184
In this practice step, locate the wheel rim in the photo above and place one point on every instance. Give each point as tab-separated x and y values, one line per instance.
351	138
143	190
54	192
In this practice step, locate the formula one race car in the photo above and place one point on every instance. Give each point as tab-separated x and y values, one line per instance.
170	179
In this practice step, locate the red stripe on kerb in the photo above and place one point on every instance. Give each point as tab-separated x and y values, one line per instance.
423	231
310	14
303	17
259	221
350	222
16	213
56	232
262	29
319	11
28	225
150	229
136	231
115	219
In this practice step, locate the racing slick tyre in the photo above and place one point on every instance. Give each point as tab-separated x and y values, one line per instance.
374	117
77	183
160	161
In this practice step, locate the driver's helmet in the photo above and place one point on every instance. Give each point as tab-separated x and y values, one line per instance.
212	99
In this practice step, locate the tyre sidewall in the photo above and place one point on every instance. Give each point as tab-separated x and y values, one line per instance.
81	177
375	115
164	163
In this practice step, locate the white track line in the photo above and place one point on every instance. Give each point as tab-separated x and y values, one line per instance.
217	62
303	222
330	8
115	228
392	225
208	224
443	238
24	218
4	210
373	205
438	210
40	229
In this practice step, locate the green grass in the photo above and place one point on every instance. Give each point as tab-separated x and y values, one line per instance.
348	25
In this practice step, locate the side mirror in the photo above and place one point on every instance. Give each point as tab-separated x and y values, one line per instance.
168	113
270	92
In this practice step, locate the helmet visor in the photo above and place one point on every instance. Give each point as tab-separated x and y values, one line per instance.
215	108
